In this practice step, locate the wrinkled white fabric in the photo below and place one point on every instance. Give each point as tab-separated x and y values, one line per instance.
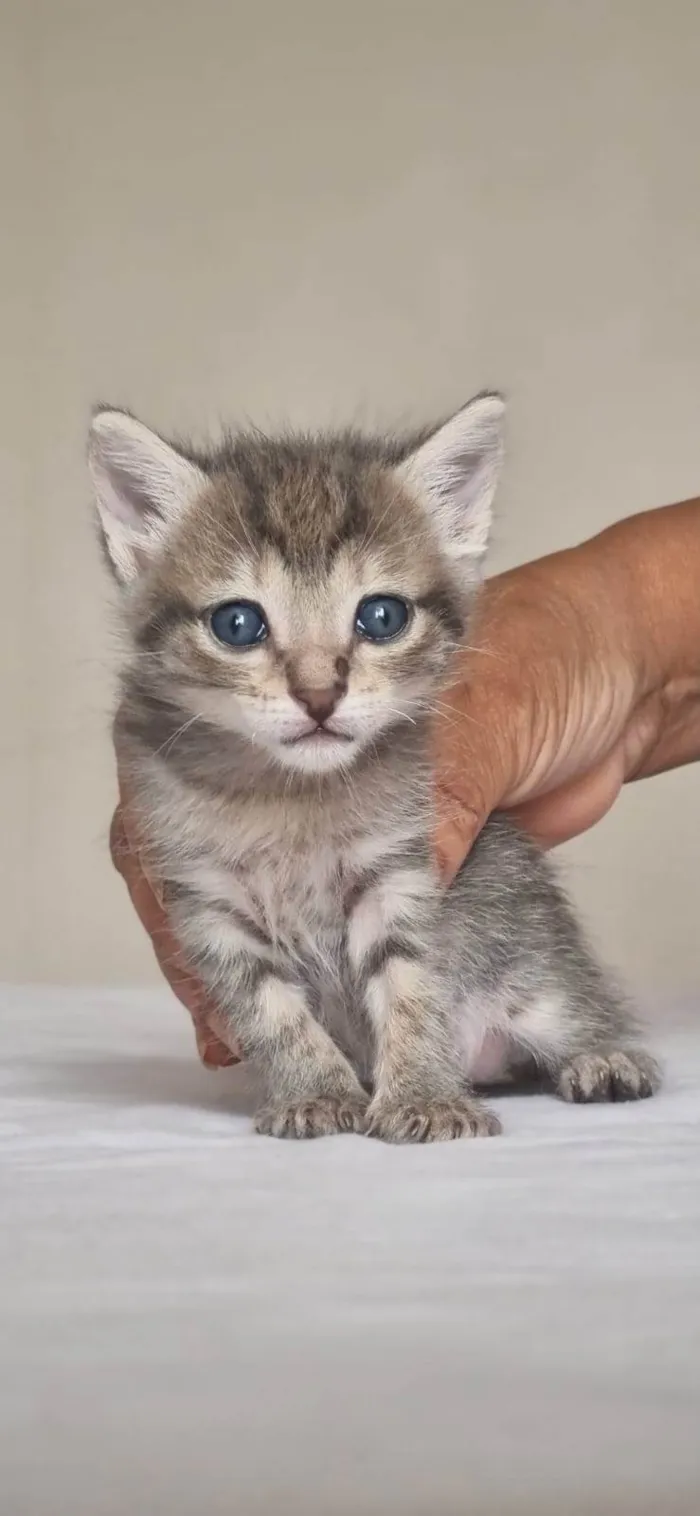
199	1322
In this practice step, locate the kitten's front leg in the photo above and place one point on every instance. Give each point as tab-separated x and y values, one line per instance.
311	1089
420	1093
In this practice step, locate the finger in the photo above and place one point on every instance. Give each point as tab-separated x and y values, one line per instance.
665	732
473	768
467	789
455	833
213	1052
118	844
565	813
211	1035
210	1029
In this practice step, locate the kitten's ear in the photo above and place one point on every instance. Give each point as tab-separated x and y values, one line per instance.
141	486
454	474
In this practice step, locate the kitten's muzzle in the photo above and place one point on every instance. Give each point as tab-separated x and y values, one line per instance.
319	704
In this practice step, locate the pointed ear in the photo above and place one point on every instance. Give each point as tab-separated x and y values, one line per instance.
141	485
454	475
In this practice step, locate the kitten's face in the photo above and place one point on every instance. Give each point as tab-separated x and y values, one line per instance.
306	595
311	659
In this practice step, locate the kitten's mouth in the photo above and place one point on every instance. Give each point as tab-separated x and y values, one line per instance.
317	734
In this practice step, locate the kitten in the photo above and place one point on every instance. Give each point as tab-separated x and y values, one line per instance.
293	607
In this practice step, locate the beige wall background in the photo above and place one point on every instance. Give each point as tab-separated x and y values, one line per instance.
316	212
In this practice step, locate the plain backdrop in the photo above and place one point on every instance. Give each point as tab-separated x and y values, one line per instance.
315	213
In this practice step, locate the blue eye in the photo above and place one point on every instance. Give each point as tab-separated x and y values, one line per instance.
381	617
238	624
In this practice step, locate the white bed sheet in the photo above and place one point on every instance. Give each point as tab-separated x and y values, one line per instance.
197	1320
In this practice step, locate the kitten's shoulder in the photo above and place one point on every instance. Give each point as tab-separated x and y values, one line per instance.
506	857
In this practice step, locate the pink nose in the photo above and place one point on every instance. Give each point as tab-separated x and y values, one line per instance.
319	704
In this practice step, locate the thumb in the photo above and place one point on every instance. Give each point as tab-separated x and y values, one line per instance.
473	763
464	798
455	834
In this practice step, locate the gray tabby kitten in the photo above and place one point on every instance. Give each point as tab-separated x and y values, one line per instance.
292	608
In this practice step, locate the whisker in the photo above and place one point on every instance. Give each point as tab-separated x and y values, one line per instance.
488	652
172	739
403	714
436	707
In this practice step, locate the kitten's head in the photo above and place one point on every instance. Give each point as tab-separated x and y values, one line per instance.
306	593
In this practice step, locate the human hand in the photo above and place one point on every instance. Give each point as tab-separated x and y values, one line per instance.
583	675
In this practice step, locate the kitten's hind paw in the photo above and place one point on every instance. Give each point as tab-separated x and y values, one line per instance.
430	1120
319	1117
631	1075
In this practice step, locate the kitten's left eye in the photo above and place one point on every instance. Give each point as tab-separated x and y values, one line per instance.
238	623
380	617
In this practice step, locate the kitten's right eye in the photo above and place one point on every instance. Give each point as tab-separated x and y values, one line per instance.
237	623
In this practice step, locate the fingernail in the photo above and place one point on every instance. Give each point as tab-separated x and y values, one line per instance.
214	1055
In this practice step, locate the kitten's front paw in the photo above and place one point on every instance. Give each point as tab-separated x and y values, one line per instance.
320	1117
430	1120
609	1076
